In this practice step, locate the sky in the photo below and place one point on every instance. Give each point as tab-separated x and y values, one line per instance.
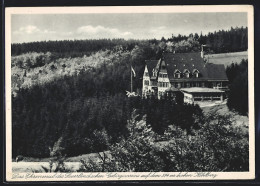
44	27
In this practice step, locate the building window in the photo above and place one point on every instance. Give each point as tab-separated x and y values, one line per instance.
146	74
195	73
197	84
165	75
153	83
186	73
146	82
179	85
188	85
163	84
177	75
202	84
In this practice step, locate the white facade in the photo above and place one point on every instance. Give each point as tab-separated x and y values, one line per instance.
147	87
188	98
189	73
199	94
163	80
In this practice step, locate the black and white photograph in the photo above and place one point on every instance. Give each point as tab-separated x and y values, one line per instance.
130	93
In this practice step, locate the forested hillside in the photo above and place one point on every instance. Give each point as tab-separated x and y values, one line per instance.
238	78
39	68
73	98
76	91
40	62
221	41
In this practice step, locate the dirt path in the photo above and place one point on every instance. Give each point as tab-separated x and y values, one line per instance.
24	167
38	165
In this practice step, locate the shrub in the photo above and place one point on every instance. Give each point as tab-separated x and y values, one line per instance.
238	95
217	146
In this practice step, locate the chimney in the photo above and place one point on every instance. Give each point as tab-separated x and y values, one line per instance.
202	52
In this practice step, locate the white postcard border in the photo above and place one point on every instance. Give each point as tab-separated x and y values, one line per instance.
135	175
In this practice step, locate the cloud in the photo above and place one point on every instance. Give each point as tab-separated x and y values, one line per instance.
31	29
48	32
157	29
100	31
34	33
28	30
65	33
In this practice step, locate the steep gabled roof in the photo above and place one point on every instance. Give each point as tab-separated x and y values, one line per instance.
172	89
195	70
216	71
186	70
191	61
151	64
200	90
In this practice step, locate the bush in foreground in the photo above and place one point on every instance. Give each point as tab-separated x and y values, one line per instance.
217	146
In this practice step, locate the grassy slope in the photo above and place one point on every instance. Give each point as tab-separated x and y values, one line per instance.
239	120
227	58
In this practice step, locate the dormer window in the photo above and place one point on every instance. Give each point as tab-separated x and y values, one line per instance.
186	73
177	74
196	73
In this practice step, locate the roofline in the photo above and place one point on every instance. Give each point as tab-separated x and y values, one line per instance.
219	91
151	59
201	92
195	80
217	80
181	53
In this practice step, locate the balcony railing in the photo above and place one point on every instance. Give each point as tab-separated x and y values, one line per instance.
221	88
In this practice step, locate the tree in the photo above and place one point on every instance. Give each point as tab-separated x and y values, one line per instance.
134	153
238	95
217	146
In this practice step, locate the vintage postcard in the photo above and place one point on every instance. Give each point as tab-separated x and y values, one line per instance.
129	93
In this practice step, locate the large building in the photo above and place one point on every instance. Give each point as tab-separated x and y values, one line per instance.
183	70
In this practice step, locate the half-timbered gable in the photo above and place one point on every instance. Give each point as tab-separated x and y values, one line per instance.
150	77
